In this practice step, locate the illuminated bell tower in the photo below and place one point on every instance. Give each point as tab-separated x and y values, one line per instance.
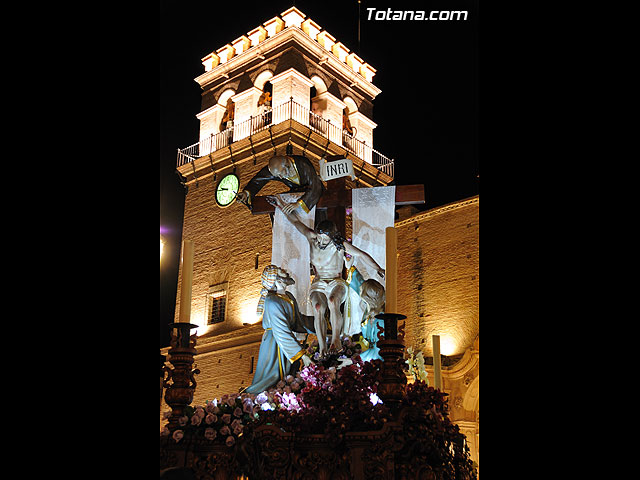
285	87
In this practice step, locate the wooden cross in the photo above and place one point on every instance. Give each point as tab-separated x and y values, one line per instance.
337	198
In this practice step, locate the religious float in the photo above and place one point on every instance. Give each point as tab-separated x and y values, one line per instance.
340	418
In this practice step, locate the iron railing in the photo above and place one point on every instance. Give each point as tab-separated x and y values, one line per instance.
281	113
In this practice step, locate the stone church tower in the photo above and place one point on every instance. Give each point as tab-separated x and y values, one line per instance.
289	86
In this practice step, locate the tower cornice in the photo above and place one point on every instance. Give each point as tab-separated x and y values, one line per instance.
311	46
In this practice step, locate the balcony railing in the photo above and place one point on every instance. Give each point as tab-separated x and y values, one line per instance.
283	112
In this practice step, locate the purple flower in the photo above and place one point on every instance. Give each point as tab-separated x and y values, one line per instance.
199	412
210	433
225	431
230	441
237	430
261	398
226	418
195	420
177	435
247	407
237	412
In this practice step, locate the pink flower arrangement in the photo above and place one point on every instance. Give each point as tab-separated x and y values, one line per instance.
320	398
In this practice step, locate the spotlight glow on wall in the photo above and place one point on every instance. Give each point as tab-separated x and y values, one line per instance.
447	345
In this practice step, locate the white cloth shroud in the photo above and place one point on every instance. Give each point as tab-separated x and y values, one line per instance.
290	251
373	211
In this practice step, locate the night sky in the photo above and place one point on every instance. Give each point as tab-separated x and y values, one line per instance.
427	113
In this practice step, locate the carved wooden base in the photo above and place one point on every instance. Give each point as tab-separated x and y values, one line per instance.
407	448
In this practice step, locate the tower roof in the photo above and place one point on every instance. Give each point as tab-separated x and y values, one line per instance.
291	23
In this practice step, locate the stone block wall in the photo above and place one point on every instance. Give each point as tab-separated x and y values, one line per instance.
438	270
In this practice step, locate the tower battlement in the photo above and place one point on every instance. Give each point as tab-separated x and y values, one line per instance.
257	41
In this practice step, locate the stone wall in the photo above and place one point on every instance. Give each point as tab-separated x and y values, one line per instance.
438	270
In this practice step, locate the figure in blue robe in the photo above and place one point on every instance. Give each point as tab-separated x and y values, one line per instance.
372	296
280	318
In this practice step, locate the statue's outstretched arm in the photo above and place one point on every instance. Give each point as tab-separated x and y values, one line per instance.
301	227
363	256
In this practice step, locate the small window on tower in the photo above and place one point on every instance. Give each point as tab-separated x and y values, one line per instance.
217	304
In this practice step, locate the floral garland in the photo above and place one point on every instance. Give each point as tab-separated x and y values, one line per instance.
335	395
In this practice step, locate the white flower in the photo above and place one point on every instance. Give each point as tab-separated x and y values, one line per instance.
374	398
261	398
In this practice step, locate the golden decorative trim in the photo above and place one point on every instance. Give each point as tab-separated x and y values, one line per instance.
297	356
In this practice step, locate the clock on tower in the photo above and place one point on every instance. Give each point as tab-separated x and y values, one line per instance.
227	190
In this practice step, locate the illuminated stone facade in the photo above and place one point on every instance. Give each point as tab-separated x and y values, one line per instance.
438	249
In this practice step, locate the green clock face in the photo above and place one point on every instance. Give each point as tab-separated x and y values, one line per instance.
227	190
